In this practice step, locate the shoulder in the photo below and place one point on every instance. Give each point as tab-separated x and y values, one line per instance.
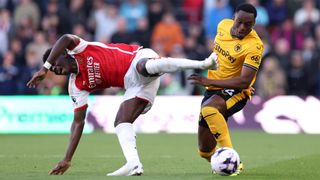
255	42
225	23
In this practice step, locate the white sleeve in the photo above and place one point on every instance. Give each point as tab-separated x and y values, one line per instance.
79	48
78	97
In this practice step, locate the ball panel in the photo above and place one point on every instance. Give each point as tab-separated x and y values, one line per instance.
225	161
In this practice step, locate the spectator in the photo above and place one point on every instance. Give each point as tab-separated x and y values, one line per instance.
193	10
277	11
142	34
262	18
282	52
287	31
8	75
122	35
271	79
104	20
213	14
297	76
155	12
132	11
167	33
5	29
307	14
33	63
27	9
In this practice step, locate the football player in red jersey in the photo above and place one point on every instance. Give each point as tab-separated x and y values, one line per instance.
93	66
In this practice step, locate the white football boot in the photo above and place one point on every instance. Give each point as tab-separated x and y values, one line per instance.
129	169
210	62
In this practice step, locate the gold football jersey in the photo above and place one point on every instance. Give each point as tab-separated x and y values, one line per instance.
234	53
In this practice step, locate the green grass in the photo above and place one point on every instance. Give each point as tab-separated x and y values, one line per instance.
165	156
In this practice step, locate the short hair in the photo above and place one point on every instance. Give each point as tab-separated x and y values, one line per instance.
249	8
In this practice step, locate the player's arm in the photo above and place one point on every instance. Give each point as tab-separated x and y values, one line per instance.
66	41
76	132
240	82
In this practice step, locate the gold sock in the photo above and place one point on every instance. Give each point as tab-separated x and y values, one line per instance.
218	126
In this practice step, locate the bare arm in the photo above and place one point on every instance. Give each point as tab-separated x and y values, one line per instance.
240	82
67	41
76	132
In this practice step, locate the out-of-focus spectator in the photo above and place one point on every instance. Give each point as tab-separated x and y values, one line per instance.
8	75
77	12
39	44
104	20
5	28
33	63
287	31
59	13
277	11
18	51
297	76
271	79
282	51
122	35
142	34
307	14
156	9
262	14
193	10
80	30
214	12
27	9
132	11
167	33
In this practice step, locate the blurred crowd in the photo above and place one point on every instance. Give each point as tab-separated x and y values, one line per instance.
290	30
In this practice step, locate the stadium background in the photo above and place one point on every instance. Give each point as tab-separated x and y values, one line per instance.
286	101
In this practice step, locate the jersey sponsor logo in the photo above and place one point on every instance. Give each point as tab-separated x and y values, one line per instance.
237	48
256	59
224	53
94	74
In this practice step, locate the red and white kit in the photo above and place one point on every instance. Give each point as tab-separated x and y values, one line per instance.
110	65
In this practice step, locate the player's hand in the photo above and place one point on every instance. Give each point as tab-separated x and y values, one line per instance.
37	78
60	168
198	79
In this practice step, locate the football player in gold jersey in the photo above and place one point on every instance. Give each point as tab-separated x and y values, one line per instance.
239	50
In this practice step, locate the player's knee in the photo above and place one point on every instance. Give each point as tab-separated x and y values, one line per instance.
208	111
141	67
206	155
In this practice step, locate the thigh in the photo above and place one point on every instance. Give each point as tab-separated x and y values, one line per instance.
130	110
206	140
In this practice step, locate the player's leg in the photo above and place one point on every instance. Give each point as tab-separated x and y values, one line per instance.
128	112
156	66
212	111
206	142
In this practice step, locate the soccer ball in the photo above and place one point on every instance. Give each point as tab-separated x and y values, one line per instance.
225	161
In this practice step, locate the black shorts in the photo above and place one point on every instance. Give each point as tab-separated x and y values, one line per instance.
235	101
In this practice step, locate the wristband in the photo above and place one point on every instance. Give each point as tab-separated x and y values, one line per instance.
47	65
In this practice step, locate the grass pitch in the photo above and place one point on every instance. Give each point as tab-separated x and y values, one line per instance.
165	156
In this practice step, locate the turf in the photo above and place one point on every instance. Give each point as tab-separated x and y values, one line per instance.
165	156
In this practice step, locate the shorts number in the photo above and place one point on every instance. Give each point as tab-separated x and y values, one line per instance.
230	92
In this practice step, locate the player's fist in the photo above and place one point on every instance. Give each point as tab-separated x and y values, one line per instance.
60	168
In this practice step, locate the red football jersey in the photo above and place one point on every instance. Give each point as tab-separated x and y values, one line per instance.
102	65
